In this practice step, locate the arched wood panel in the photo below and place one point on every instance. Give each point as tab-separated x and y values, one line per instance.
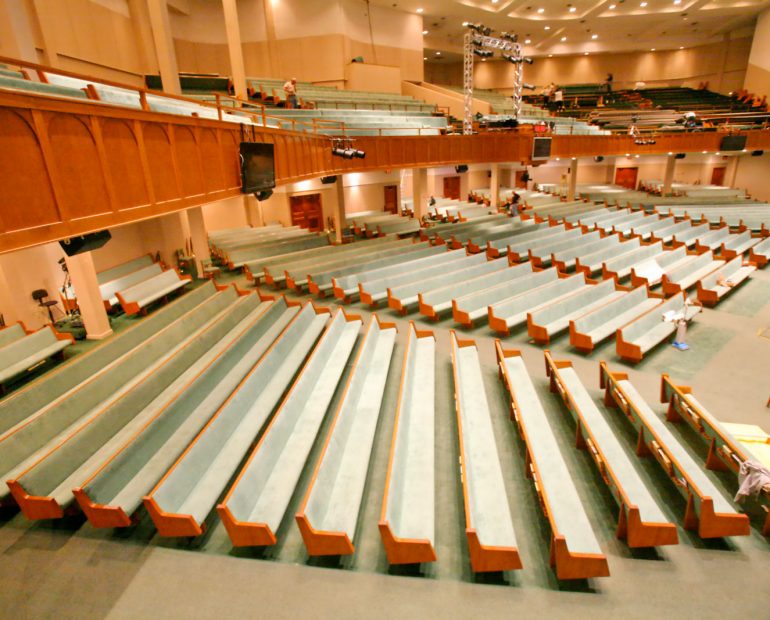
188	160
124	164
211	160
158	148
80	180
26	193
229	143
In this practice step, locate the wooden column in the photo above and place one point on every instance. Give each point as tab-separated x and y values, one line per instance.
732	170
235	49
668	179
272	61
573	168
83	273
494	184
339	210
9	304
16	38
164	46
420	191
199	238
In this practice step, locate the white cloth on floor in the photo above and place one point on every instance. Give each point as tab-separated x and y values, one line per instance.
753	478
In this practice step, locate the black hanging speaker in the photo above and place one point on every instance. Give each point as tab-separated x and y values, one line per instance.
599	158
461	168
263	195
733	143
328	180
757	153
85	243
680	156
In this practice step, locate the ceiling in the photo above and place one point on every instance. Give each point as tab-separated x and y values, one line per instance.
578	26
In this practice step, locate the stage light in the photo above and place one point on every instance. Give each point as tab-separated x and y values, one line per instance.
483	53
513	38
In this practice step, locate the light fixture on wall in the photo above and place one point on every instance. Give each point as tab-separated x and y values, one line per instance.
343	147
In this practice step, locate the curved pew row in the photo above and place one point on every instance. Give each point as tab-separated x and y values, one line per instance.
688	274
651	328
707	511
640	522
407	520
588	330
110	289
24	353
619	267
12	333
593	262
405	297
136	298
650	273
118	271
475	298
567	258
737	245
111	495
42	485
545	322
488	525
182	500
256	504
722	281
328	516
36	420
725	451
760	253
575	553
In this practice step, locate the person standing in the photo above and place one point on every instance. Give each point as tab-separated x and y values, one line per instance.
290	89
558	100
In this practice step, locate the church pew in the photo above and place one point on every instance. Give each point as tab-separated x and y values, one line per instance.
403	227
24	353
135	299
641	522
407	518
519	247
185	496
648	330
373	289
42	485
713	240
11	333
476	238
328	516
109	289
442	233
256	504
760	253
644	229
118	271
520	242
572	217
688	274
489	529
111	495
321	282
575	553
296	274
57	384
346	287
622	225
470	306
511	312
539	254
543	323
649	274
619	267
707	512
405	297
465	214
667	234
720	282
690	236
590	264
588	330
235	259
737	245
566	259
725	452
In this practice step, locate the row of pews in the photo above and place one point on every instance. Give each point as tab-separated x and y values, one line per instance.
22	349
213	405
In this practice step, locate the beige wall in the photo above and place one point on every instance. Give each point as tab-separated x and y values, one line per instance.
758	70
688	67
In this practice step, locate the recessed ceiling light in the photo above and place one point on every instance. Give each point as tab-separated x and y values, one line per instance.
527	41
612	7
483	60
628	154
425	32
677	1
681	47
425	58
704	152
585	53
717	153
550	55
541	11
642	4
494	1
652	49
558	159
594	36
547	28
572	9
564	39
420	10
670	153
637	156
438	53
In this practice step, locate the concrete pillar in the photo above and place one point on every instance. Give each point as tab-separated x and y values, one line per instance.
140	20
9	306
272	59
235	48
668	178
609	176
420	191
164	46
83	274
175	230
572	179
199	238
732	170
494	184
16	38
50	30
339	210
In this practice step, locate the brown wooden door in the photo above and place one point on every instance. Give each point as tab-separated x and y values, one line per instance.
520	182
718	176
391	198
452	187
307	212
626	177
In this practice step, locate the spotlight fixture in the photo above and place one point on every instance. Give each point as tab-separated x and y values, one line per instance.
480	28
343	147
483	53
513	38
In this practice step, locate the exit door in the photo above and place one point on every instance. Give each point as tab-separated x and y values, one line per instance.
391	198
718	176
307	212
452	187
626	177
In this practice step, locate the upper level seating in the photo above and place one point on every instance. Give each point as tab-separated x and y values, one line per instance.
194	83
358	122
